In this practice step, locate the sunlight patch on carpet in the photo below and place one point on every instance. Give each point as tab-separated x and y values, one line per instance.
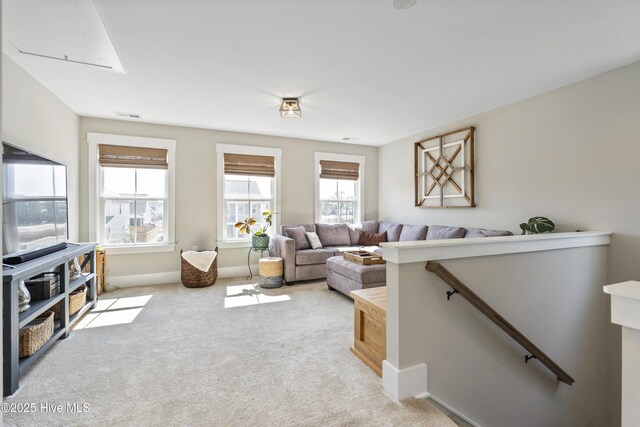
113	311
251	294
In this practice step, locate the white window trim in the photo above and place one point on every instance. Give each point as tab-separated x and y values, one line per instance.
340	158
221	149
93	140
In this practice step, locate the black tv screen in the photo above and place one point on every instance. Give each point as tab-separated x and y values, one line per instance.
34	202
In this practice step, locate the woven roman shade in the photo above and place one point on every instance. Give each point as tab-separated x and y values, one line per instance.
121	156
246	164
339	170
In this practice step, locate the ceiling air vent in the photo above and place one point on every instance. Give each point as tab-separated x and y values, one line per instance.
128	115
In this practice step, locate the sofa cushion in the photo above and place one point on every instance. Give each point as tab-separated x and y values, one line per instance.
438	232
356	229
393	230
312	256
299	236
413	232
371	239
481	232
360	273
333	234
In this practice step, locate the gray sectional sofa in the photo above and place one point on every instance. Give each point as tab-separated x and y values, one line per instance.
301	262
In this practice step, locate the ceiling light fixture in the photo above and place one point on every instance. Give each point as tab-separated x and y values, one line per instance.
290	108
404	4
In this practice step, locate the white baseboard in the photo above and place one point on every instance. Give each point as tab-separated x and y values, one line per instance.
404	383
453	411
238	271
115	282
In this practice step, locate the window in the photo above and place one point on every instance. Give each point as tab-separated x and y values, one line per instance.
246	196
339	188
133	204
247	186
338	201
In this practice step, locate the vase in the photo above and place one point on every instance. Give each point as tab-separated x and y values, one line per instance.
74	269
260	243
24	297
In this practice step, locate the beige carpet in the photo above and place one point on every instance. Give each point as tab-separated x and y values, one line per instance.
229	355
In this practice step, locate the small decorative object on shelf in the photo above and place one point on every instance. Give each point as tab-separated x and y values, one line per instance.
74	269
537	225
24	297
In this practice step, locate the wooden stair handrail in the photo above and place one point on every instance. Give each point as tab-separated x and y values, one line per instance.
495	317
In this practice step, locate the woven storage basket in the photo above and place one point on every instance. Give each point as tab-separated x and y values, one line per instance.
36	334
77	300
191	277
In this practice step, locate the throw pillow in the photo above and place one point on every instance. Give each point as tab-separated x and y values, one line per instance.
371	239
314	240
299	236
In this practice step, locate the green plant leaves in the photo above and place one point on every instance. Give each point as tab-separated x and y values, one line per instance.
537	225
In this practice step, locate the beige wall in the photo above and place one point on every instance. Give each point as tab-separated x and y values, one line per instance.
196	201
571	155
35	119
553	297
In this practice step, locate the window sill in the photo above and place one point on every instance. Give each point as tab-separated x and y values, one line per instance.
146	249
231	244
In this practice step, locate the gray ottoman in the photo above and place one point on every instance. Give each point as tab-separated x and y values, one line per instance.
346	276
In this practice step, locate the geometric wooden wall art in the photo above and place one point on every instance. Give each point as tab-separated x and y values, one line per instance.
444	170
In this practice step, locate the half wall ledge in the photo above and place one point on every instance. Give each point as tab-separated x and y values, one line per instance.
548	286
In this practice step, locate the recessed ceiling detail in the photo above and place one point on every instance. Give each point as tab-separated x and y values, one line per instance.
65	30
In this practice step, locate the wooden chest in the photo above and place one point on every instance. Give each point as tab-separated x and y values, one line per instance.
370	326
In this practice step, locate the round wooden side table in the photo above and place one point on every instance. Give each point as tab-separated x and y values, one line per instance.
271	270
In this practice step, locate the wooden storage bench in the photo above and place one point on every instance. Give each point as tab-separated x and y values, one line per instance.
370	326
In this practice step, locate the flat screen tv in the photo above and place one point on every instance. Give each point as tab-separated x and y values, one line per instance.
34	205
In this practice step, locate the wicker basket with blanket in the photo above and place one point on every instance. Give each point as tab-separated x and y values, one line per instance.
194	272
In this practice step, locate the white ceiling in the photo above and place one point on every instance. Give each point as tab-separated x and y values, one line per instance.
361	68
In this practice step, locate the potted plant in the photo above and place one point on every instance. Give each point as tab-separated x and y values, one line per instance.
259	238
537	225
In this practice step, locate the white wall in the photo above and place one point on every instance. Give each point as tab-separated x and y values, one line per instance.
571	154
196	202
35	119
